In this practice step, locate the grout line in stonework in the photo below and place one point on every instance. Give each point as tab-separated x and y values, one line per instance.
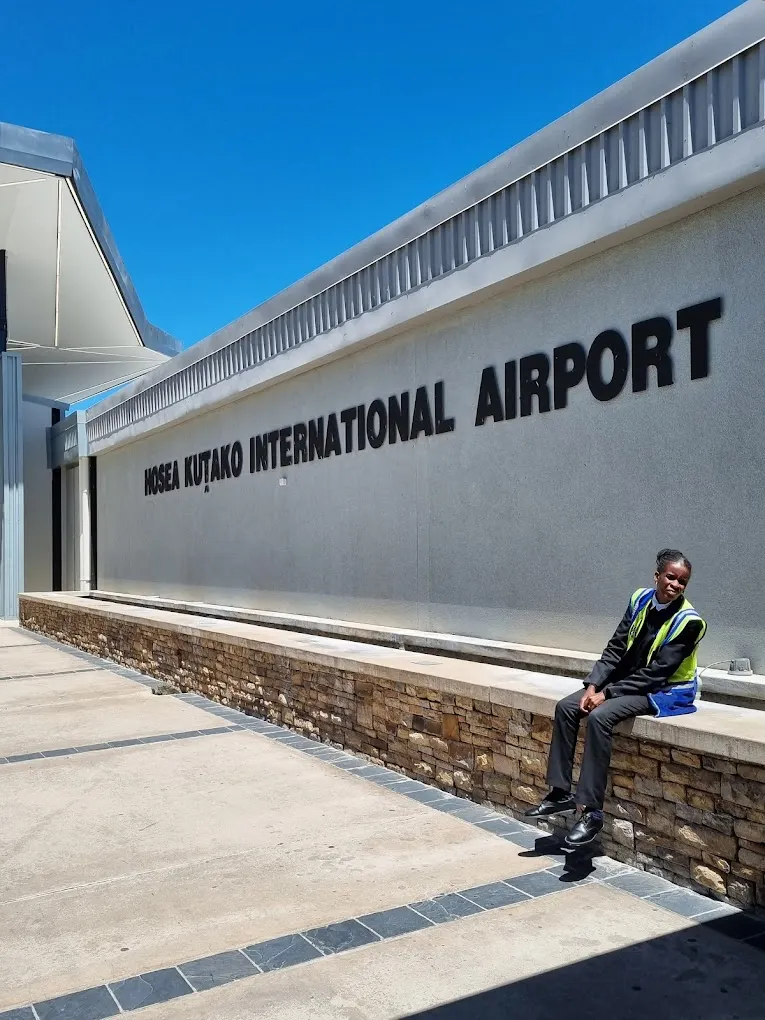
109	990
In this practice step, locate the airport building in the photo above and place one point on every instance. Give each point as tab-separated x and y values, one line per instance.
483	420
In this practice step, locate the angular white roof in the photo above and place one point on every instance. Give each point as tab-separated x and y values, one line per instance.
72	311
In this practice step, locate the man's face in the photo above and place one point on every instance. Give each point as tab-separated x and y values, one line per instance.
671	582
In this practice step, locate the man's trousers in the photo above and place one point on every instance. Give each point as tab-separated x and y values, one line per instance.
591	791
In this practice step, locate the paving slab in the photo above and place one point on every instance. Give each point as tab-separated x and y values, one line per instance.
13	636
571	955
135	712
128	861
84	684
36	659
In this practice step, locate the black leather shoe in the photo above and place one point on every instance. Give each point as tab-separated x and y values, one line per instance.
585	830
548	808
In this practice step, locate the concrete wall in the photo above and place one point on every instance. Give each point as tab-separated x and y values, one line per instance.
532	530
38	526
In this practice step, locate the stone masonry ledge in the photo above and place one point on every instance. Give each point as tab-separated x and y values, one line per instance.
537	658
722	731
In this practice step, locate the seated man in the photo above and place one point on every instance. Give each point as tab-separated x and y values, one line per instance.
648	667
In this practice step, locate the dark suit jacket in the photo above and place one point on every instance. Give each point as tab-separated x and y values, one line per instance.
621	671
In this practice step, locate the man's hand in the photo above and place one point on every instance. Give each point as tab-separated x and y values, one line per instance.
584	704
591	699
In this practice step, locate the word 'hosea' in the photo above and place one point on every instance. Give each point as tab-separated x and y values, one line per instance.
198	468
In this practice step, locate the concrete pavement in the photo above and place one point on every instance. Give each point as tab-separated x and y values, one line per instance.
135	840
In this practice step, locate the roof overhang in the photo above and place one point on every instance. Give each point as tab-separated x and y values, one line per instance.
72	311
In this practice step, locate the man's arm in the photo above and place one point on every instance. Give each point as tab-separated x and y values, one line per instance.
612	654
656	674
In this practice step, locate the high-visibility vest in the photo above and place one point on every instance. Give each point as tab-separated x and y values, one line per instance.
639	605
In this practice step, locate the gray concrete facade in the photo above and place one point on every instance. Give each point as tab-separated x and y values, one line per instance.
533	529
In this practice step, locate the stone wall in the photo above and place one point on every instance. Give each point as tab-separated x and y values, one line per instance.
695	819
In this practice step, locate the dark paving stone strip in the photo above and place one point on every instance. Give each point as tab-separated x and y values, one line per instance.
398	921
90	1004
427	796
641	884
682	901
496	894
451	805
19	644
449	907
407	787
340	937
502	825
389	779
148	989
357	932
349	764
537	883
13	677
220	969
276	954
375	772
470	812
156	738
528	839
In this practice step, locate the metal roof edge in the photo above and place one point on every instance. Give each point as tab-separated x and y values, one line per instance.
57	154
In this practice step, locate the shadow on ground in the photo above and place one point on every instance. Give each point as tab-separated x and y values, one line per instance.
695	974
704	972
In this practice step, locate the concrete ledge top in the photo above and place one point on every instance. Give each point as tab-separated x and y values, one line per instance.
719	730
538	658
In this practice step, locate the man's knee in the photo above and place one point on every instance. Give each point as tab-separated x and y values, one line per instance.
600	719
567	708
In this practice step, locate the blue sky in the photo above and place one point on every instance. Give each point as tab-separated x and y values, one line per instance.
234	147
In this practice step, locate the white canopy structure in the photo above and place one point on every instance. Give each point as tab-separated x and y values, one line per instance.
71	311
71	326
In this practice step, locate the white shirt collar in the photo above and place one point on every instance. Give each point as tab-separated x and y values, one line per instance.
659	606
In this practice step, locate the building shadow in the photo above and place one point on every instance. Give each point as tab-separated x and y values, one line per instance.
698	973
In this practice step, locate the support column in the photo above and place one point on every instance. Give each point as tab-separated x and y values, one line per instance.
83	498
11	486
